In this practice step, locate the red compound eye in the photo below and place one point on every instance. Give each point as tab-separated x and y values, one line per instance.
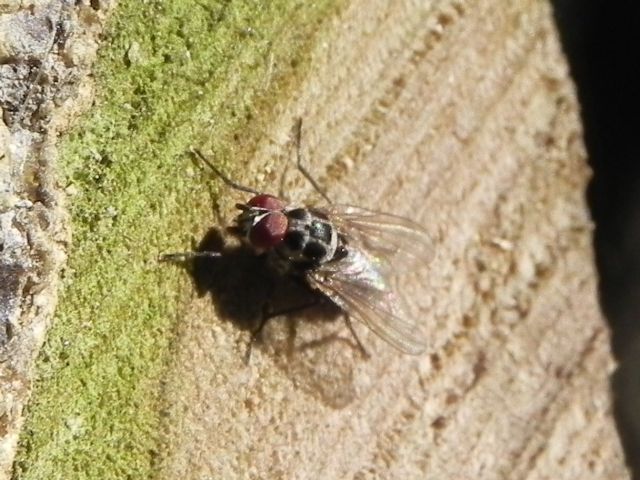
269	230
268	202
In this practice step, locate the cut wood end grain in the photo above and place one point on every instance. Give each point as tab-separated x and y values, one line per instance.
462	116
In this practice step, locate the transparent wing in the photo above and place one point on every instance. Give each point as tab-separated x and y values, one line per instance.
394	241
357	286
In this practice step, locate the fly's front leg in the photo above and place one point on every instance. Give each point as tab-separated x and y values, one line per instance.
180	257
223	177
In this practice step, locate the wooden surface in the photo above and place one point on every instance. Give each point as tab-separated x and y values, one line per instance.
461	116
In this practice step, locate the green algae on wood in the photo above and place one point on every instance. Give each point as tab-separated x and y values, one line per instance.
170	74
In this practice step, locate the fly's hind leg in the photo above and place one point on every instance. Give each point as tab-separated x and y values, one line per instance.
363	351
267	315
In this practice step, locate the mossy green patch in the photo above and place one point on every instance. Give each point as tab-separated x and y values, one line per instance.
172	74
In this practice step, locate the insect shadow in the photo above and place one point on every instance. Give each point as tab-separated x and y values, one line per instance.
246	291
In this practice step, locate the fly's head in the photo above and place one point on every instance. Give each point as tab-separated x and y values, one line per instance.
262	222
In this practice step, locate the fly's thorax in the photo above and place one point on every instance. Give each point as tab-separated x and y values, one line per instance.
311	239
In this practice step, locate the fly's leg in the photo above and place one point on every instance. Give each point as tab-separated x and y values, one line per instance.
185	256
363	351
268	315
298	138
223	177
282	190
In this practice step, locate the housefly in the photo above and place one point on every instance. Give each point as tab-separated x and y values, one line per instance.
349	254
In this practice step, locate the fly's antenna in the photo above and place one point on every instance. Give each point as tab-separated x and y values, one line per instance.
223	177
298	137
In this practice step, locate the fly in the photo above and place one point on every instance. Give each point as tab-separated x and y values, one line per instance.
347	253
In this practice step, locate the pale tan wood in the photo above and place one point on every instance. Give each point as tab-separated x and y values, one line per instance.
461	115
